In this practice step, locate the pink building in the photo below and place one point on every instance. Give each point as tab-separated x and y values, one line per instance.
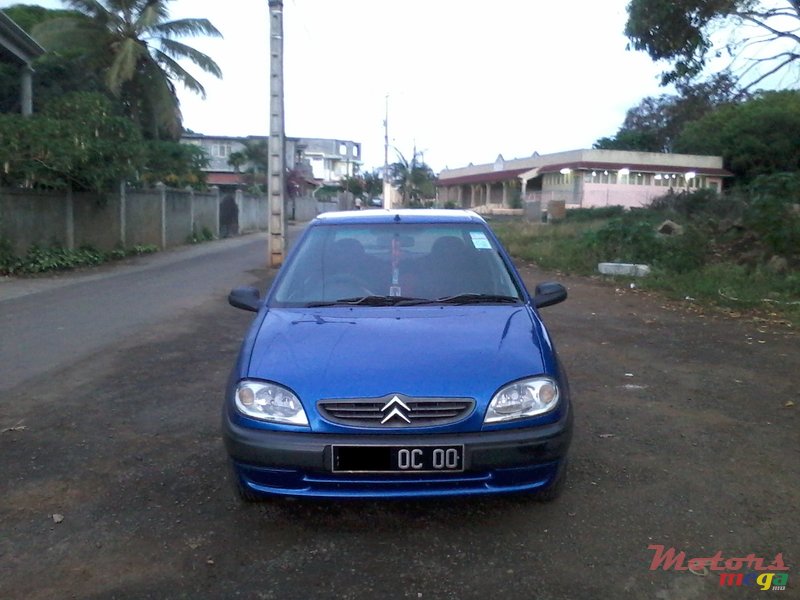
579	178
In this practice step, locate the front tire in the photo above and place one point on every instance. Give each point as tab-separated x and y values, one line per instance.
245	494
555	489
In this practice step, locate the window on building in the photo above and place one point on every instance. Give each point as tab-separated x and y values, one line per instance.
220	150
343	149
355	151
606	177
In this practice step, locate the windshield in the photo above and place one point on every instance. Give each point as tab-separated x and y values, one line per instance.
390	264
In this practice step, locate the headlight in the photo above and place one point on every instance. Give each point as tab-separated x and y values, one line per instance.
269	402
521	399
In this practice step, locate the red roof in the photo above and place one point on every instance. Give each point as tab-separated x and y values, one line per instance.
224	179
491	177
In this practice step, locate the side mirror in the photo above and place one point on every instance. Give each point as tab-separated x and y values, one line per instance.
247	298
549	293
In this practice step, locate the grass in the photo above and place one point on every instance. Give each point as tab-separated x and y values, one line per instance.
734	287
555	247
571	248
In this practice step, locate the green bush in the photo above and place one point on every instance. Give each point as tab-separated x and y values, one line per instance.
624	240
7	258
205	235
682	253
38	260
698	203
774	212
54	258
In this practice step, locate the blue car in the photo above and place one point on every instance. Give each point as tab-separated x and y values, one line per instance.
397	355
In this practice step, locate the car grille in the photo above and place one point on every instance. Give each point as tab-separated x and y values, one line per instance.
396	411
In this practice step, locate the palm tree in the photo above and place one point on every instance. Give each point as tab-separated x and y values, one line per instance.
237	160
413	179
255	158
132	43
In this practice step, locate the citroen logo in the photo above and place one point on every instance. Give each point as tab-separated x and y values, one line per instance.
393	406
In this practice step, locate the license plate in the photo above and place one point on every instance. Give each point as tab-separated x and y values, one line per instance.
397	459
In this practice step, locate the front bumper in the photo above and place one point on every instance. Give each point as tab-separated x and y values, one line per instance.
298	464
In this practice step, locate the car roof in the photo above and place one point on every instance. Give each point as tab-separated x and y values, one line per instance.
407	215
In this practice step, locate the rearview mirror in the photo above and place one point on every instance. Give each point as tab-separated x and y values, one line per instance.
247	298
549	293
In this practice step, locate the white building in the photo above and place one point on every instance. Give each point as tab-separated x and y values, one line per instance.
330	160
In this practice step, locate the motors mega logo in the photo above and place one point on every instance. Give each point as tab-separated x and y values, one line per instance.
730	570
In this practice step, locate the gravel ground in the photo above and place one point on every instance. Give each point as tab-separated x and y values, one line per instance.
114	485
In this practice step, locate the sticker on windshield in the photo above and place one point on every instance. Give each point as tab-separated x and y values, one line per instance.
479	240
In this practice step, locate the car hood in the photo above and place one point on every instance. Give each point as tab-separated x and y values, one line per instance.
442	351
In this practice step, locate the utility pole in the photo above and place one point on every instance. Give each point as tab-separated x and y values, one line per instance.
277	155
387	196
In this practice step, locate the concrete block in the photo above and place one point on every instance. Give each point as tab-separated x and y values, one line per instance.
627	269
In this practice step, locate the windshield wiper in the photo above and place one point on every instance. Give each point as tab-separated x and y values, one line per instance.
408	301
370	301
476	299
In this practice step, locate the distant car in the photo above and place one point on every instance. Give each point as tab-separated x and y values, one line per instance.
376	202
397	354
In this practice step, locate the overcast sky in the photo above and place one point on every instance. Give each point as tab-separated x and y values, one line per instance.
467	79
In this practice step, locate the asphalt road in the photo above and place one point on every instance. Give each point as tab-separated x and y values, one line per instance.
50	322
113	480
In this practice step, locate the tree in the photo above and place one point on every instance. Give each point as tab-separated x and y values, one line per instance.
237	160
28	16
756	137
373	184
256	154
78	143
54	75
174	164
354	185
131	43
761	40
414	179
656	122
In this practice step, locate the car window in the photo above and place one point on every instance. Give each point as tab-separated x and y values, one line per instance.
413	260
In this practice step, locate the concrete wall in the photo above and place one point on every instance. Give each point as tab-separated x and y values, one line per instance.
96	220
206	212
303	209
253	212
27	218
142	219
178	225
161	217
